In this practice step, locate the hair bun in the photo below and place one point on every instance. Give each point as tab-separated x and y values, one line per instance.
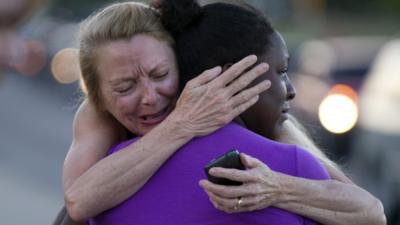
176	15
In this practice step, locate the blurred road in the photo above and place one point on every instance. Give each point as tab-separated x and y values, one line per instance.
35	131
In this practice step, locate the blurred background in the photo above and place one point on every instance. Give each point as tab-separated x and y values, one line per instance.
345	64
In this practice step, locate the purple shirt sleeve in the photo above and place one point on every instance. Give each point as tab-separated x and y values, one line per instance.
309	167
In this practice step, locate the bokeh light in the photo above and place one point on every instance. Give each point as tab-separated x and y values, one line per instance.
31	59
338	112
65	66
342	89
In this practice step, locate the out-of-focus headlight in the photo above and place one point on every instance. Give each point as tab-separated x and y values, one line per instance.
338	112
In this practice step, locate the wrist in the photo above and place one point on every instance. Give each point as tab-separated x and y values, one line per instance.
175	125
286	190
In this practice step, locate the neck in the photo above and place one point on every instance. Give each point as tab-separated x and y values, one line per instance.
259	129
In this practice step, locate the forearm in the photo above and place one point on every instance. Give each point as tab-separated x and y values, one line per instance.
329	202
116	177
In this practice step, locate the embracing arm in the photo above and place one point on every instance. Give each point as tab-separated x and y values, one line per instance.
330	202
93	183
93	134
105	182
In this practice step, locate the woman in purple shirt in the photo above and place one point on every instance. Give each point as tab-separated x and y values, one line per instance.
112	180
172	195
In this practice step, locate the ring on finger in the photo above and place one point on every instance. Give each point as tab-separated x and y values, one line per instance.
238	203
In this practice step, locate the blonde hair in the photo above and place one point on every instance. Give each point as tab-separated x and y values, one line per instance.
294	133
119	21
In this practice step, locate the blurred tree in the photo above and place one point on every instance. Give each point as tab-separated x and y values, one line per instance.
391	6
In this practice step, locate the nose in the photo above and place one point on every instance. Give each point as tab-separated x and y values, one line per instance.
291	90
149	95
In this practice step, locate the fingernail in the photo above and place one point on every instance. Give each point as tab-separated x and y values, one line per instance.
212	171
253	57
264	66
267	83
201	183
217	68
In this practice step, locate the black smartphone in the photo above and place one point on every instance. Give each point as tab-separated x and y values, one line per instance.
230	159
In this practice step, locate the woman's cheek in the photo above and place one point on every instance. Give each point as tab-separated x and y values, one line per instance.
123	104
170	87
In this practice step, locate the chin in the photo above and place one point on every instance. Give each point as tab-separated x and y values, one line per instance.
134	130
277	131
143	132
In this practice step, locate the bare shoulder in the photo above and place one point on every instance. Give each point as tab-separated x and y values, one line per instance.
91	123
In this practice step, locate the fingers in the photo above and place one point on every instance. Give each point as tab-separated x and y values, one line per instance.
232	174
205	77
250	93
252	203
235	70
247	78
224	191
230	205
223	203
249	162
229	75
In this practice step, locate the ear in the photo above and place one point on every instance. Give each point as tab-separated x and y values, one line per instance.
226	66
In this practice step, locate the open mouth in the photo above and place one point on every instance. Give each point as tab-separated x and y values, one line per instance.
156	117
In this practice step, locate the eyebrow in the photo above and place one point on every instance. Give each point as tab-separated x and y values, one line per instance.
119	80
159	67
163	64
